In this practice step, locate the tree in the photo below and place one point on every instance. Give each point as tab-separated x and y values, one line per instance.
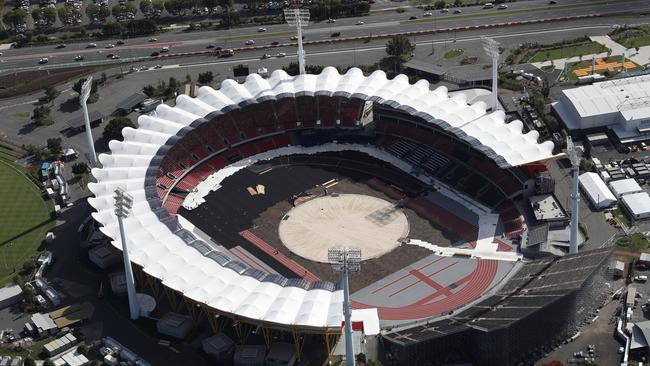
28	266
146	7
141	27
41	116
111	29
113	130
54	145
93	89
458	2
206	78
586	165
49	14
400	47
230	17
50	93
97	12
439	4
38	152
150	90
80	168
15	17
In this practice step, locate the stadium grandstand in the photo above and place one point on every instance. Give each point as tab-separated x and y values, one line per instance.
199	239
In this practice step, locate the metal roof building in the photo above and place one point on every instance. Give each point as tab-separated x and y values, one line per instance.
165	251
637	205
596	190
624	186
621	105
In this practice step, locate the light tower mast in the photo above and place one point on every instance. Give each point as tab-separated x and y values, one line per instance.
491	47
83	99
572	154
346	260
123	204
298	17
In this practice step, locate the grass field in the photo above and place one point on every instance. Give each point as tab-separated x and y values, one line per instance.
454	53
634	243
569	51
638	36
25	217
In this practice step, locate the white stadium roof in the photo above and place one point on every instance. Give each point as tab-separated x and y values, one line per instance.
167	253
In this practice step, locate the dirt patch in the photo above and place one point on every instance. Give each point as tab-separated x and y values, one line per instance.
266	227
27	82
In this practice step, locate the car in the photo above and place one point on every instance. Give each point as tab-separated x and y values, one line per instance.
265	56
281	54
210	46
115	57
249	42
552	2
45	257
157	67
330	20
457	11
164	50
110	55
79	58
91	45
154	54
643	146
119	43
110	45
503	6
335	34
413	17
261	29
153	39
640	278
444	10
44	60
60	45
427	14
275	43
360	22
294	38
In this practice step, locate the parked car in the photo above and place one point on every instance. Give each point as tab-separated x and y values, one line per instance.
640	278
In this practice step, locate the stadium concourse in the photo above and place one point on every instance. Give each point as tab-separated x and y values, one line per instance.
213	177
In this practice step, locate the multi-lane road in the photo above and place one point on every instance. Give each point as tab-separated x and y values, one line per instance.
380	22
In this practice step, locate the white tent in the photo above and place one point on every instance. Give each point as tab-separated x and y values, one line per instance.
622	187
637	205
596	190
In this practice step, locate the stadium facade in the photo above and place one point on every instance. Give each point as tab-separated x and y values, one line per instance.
174	148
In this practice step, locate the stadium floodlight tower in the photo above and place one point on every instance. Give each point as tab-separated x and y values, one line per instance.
346	260
298	17
572	154
83	99
123	204
491	47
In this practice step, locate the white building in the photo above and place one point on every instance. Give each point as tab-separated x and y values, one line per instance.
10	295
620	105
637	205
624	186
596	190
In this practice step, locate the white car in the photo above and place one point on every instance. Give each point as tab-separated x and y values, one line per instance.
44	60
91	45
427	14
164	49
110	45
249	42
360	22
281	54
503	6
79	58
265	56
115	57
261	29
330	20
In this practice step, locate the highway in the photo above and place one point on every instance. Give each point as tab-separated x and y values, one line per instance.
379	22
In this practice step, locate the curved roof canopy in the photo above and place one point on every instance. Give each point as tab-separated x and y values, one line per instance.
168	252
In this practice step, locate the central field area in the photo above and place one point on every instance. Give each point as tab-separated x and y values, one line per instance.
25	218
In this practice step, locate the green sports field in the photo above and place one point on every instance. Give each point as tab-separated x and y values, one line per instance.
25	217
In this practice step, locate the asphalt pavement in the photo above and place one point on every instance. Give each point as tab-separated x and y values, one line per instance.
180	41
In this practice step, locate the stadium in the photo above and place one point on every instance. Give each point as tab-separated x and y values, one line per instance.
239	192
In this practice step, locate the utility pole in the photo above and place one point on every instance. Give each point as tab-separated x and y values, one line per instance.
572	153
491	47
298	17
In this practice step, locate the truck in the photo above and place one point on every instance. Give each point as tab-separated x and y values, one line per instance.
225	53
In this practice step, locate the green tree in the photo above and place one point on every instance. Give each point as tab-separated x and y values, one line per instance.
206	78
39	153
36	14
28	266
98	12
15	17
150	90
230	17
80	168
439	4
54	145
111	29
113	130
138	27
458	2
49	14
146	7
50	93
41	116
400	47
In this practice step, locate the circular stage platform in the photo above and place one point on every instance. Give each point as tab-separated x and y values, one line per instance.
366	222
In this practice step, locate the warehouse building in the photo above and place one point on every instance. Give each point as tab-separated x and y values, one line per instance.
624	186
621	106
637	205
595	189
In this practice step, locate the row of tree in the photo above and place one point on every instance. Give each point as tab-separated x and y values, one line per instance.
135	27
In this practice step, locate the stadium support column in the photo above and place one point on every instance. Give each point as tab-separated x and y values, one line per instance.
491	47
83	99
346	260
123	204
575	195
